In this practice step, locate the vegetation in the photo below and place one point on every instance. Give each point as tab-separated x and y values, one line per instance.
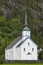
41	55
22	64
12	22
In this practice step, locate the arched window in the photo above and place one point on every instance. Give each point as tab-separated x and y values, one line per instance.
24	49
32	49
28	43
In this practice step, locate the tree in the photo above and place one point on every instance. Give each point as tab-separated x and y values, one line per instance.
41	55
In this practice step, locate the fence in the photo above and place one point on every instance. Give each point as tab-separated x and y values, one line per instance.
20	61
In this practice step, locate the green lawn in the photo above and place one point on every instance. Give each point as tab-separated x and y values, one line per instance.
21	64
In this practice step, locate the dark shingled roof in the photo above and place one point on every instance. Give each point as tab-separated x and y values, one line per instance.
25	40
22	42
26	29
13	43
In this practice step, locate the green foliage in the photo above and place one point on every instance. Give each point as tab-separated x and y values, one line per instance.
41	55
24	64
12	20
9	30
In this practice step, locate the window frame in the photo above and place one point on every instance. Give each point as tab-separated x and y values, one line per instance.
28	43
24	49
32	49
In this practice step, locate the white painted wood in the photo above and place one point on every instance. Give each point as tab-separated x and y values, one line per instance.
26	33
28	48
26	51
8	54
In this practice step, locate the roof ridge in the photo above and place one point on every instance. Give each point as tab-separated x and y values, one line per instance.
22	41
13	42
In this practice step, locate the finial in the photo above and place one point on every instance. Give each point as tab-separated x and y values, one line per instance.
26	19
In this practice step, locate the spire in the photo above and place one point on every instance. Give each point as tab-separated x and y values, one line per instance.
26	19
26	30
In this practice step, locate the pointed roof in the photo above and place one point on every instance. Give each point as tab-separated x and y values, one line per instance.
20	38
25	23
13	43
25	40
26	19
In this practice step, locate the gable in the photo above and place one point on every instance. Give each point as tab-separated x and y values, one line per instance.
18	39
22	42
29	40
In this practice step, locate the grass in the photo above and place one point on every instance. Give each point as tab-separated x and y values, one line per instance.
21	64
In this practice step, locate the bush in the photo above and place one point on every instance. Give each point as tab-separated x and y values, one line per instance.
41	55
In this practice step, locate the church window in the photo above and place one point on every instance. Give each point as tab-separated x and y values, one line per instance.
32	49
24	49
28	43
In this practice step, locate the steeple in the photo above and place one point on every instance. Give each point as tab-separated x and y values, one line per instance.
26	30
26	19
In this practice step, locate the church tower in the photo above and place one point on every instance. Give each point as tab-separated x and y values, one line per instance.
26	30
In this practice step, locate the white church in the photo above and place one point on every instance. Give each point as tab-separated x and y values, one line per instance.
22	48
